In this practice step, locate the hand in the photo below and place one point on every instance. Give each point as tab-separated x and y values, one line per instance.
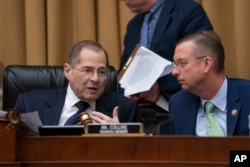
99	117
147	98
150	134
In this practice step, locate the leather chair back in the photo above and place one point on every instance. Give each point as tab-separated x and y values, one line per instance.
22	78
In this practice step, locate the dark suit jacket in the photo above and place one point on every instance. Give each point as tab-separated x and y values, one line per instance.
177	19
184	106
49	104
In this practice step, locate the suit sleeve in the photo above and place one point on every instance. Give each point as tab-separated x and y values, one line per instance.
127	111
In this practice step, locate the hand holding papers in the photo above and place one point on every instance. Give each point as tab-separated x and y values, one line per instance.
142	70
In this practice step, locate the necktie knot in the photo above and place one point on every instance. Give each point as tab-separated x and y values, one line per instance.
81	105
209	107
74	119
147	16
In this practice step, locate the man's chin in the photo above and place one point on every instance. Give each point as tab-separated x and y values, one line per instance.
92	97
184	87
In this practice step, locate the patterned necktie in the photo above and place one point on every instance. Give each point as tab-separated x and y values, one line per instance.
74	119
213	125
144	41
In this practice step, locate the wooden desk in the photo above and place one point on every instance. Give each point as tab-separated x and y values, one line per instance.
134	151
7	144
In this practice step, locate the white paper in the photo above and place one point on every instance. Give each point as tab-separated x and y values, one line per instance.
3	114
144	70
162	102
31	120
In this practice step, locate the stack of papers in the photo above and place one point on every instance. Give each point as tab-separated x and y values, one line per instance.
142	70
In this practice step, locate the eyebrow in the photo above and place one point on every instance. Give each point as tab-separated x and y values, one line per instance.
99	67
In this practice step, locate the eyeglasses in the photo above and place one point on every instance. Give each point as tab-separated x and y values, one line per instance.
181	63
101	72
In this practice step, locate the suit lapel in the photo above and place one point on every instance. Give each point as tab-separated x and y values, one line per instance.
55	104
190	116
162	23
233	107
105	105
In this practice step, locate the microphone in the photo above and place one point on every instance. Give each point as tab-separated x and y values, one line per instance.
146	114
152	120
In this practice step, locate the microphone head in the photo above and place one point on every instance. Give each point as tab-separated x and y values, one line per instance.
146	115
152	120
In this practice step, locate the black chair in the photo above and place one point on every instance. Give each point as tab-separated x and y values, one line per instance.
22	78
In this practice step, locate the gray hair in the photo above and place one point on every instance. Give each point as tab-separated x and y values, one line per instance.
76	49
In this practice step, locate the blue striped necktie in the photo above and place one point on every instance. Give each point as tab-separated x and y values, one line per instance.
213	125
144	41
74	119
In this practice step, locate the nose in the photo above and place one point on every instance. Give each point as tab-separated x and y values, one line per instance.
175	71
95	76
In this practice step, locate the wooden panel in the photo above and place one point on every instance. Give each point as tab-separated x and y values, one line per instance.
10	164
7	143
123	164
113	151
137	148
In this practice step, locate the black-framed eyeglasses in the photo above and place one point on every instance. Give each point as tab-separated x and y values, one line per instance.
181	63
101	72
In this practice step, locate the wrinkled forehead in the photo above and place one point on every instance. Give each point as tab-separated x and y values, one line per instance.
92	57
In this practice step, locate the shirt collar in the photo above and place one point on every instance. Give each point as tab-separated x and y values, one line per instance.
156	6
219	100
71	99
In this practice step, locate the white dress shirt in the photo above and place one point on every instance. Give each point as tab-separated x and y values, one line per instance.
69	107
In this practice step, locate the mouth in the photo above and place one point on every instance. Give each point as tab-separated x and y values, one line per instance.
180	82
93	89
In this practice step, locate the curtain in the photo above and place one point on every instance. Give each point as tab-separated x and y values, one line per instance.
42	32
231	20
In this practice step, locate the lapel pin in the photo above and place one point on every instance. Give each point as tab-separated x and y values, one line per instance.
234	112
